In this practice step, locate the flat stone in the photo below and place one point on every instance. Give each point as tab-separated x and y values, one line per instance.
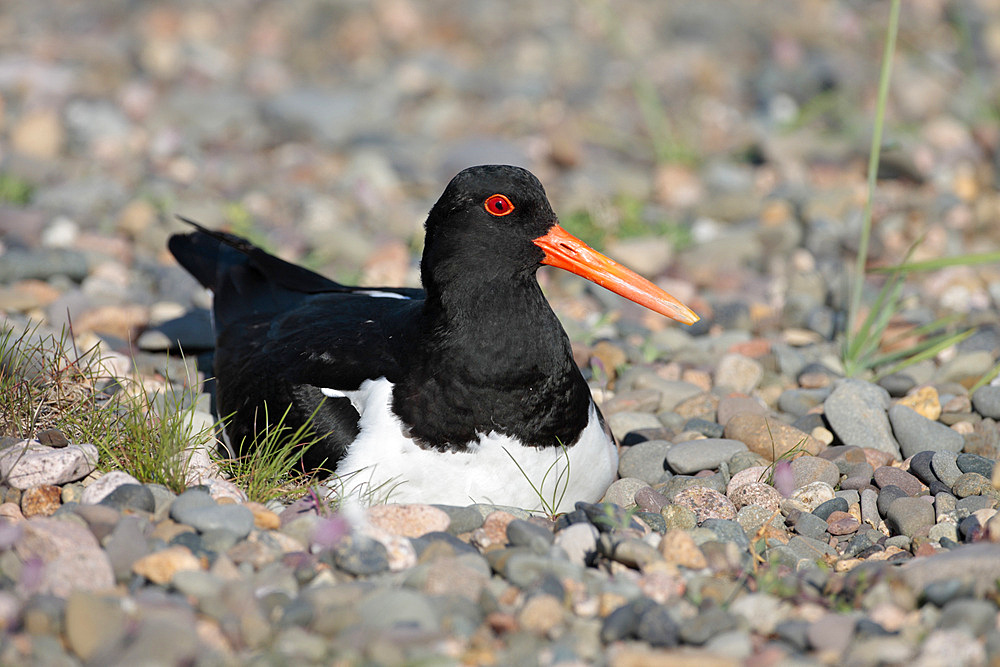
198	509
738	373
161	566
28	464
360	556
842	523
829	507
977	565
975	463
408	520
755	493
887	496
809	469
917	433
810	525
889	476
41	500
986	401
857	412
645	460
770	438
909	516
706	503
945	467
622	491
705	454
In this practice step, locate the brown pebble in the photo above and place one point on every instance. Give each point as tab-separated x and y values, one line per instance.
52	437
41	500
842	523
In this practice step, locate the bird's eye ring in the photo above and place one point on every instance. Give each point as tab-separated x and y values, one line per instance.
498	205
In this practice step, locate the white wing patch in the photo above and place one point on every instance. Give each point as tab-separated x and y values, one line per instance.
379	294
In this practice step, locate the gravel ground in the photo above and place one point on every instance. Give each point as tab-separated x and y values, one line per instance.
717	147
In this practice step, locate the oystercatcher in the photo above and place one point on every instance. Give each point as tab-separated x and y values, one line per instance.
465	391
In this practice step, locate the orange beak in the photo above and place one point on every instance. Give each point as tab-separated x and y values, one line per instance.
565	251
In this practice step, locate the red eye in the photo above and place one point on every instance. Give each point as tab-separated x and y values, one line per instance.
498	205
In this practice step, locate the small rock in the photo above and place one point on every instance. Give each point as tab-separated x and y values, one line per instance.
945	467
160	566
408	520
130	497
541	614
917	433
677	547
622	491
756	493
705	454
360	555
842	523
857	411
770	438
645	460
28	464
738	373
889	476
909	516
809	469
41	500
706	503
924	401
986	401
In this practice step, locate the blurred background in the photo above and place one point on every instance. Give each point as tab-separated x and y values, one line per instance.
718	147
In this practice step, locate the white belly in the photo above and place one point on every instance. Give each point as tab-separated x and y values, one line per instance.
382	465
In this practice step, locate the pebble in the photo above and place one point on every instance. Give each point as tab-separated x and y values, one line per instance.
770	438
889	476
909	516
986	401
705	454
645	460
916	433
705	503
858	413
945	467
809	469
408	520
29	464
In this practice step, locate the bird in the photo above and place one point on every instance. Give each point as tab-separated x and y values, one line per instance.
464	391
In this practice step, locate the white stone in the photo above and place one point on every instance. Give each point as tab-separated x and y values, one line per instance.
29	463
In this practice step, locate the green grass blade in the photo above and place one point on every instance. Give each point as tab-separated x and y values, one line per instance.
943	262
928	353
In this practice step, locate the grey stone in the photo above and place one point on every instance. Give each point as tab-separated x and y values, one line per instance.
360	556
909	516
623	423
386	608
917	433
857	412
810	525
644	460
945	467
706	454
809	469
975	463
622	491
986	401
131	497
